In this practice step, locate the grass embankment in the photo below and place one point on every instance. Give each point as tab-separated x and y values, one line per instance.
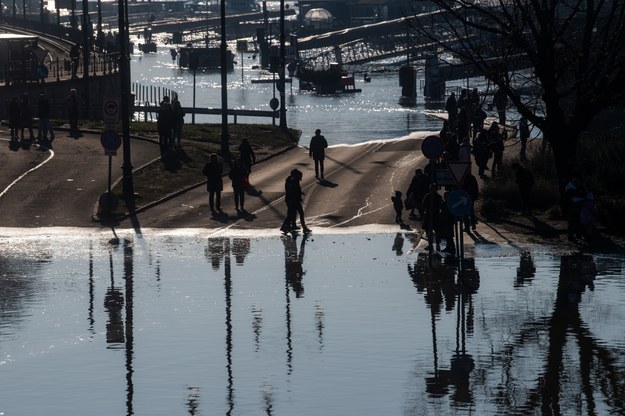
182	168
600	161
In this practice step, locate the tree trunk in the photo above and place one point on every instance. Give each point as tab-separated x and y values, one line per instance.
563	142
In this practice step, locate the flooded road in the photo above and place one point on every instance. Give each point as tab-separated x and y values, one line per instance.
189	322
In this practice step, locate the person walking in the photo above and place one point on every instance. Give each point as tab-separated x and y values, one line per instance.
495	142
417	189
431	217
525	182
237	175
178	121
26	116
72	111
398	206
500	101
293	198
248	158
14	117
43	113
213	170
451	106
470	186
481	152
317	151
165	123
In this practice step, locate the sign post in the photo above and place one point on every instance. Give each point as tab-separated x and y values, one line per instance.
111	141
459	204
432	148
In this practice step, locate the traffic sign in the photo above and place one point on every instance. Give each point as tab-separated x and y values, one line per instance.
458	170
459	203
432	147
110	141
110	110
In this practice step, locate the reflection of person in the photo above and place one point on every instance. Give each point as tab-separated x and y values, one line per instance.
317	147
293	260
213	171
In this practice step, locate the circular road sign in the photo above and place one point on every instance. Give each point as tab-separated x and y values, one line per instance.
41	71
274	103
110	140
459	203
432	147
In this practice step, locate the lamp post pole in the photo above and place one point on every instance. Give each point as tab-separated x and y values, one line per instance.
124	75
225	136
282	69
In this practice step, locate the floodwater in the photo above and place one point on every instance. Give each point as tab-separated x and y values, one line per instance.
201	323
372	114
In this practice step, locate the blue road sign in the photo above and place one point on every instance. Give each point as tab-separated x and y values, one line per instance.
110	140
459	203
432	147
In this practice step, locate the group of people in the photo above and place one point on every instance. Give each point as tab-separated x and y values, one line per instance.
170	119
21	117
239	173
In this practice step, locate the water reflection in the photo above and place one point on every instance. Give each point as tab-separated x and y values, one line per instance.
444	283
524	334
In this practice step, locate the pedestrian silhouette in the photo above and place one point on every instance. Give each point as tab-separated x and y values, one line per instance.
213	171
293	198
316	150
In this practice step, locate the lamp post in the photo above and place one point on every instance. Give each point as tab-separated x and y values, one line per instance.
225	136
281	69
124	75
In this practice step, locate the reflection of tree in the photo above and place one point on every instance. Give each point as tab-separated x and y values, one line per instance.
193	400
320	323
257	325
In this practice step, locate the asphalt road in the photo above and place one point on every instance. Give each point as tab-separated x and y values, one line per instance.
60	187
359	181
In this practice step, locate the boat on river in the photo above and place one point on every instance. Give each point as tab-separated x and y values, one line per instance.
204	57
327	81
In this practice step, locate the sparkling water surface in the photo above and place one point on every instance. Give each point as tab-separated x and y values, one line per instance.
372	114
331	324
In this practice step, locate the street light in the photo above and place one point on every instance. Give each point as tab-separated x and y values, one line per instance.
225	136
124	75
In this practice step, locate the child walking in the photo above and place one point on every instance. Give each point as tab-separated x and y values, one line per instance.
398	204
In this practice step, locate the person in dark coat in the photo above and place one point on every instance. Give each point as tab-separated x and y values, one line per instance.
165	124
293	198
72	111
43	112
248	157
481	152
446	226
213	170
451	106
178	121
398	206
316	150
525	182
237	175
471	187
14	117
419	186
26	116
495	142
431	217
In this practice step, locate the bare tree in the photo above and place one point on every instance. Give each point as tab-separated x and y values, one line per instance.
574	50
